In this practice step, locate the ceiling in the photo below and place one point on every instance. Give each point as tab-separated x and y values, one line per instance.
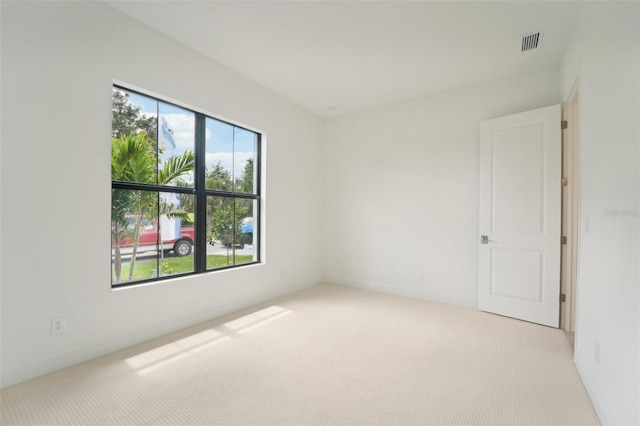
339	57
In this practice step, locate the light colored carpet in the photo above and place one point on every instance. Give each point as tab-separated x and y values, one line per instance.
327	355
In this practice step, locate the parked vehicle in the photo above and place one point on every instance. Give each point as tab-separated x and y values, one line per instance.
175	236
246	237
247	230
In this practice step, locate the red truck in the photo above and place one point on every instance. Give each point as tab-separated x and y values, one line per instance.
175	237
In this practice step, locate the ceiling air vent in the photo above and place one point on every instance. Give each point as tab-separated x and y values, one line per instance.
530	41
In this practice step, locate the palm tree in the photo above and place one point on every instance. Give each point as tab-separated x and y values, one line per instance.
134	159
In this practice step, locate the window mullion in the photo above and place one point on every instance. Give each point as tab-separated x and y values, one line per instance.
200	242
257	189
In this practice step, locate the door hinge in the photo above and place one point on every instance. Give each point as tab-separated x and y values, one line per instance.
565	182
563	297
564	124
563	240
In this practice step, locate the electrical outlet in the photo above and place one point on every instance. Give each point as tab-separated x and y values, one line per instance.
58	325
420	276
596	352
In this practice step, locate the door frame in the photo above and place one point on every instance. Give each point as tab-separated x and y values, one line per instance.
570	210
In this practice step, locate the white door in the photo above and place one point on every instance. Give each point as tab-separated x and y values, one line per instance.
520	216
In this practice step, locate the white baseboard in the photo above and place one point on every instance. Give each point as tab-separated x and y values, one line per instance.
404	291
135	337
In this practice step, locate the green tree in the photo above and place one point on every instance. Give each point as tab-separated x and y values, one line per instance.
225	214
218	179
245	183
219	209
126	118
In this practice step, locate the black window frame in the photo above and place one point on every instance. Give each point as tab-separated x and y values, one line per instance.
200	194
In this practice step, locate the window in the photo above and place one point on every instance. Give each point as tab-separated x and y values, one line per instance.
185	191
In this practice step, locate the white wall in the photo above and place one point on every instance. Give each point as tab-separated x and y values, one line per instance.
604	59
401	189
58	64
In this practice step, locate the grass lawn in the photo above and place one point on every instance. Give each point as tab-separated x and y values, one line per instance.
176	265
